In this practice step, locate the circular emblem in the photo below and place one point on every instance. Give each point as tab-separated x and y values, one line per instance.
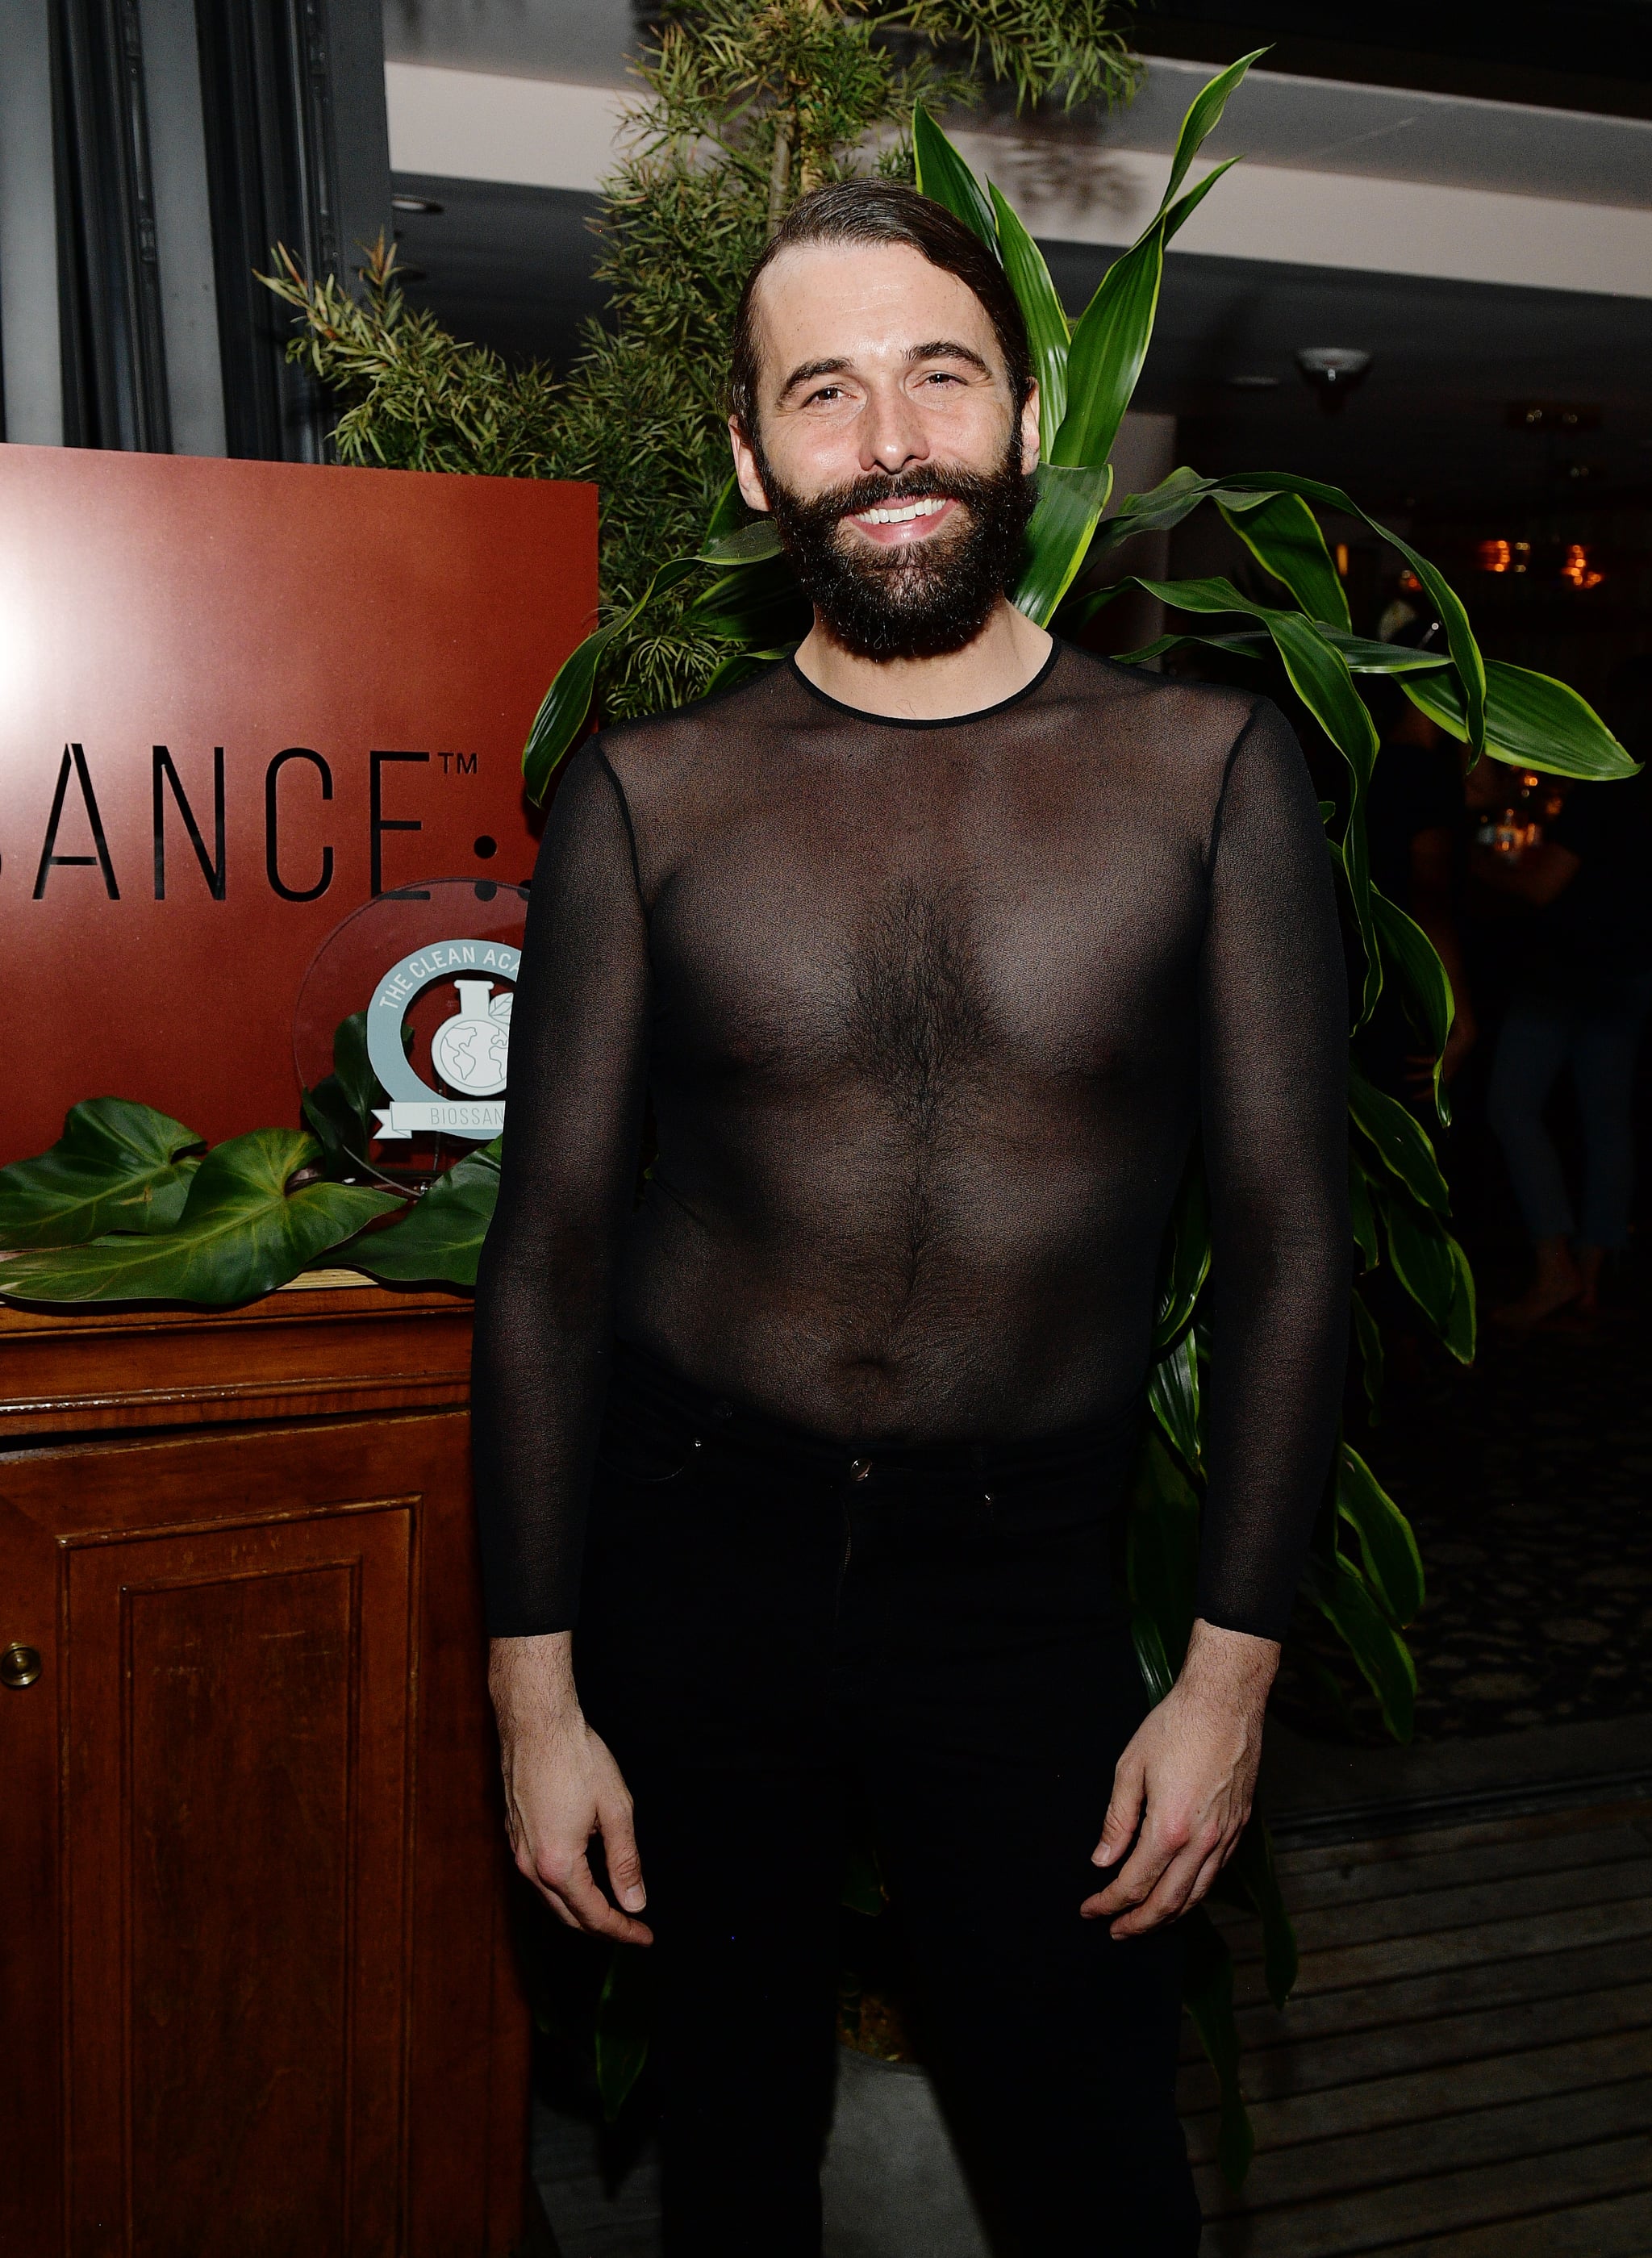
469	1051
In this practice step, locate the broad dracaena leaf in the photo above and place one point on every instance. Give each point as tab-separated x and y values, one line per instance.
1187	1261
441	1238
1387	1547
1283	535
118	1166
1183	491
1320	676
1068	509
1346	1600
1368	1339
1424	982
1531	721
944	177
624	2024
1162	1554
566	705
243	1232
1207	1992
1048	330
1399	1140
1254	1881
1434	1270
1173	1396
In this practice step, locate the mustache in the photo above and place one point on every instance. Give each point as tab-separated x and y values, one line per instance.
888	490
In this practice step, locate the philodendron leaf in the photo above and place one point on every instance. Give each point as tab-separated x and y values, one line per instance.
243	1232
340	1108
118	1166
441	1237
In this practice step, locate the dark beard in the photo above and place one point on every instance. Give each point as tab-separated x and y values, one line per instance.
916	602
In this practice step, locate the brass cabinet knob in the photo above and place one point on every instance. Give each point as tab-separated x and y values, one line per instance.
19	1667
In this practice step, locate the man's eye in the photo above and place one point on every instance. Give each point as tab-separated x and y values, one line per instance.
826	392
940	376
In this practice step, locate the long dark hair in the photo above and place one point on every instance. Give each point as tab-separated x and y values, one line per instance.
882	212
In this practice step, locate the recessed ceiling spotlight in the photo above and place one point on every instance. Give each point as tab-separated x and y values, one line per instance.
1253	383
1333	371
425	204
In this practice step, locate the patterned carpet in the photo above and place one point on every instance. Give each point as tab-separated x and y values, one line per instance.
1527	1480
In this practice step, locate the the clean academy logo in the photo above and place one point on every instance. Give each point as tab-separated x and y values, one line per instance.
468	1051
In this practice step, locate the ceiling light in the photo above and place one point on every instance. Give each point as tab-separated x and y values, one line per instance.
1333	371
425	204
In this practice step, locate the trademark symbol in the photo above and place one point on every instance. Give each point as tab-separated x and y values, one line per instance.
464	764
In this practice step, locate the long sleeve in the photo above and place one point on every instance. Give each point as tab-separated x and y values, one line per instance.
545	1290
1273	1047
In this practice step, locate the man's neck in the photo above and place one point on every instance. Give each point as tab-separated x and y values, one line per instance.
1001	660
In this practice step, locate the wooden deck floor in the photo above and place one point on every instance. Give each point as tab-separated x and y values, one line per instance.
1465	2069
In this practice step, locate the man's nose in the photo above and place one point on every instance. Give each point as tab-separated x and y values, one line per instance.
893	433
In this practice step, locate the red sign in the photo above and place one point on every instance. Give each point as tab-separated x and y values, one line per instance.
237	700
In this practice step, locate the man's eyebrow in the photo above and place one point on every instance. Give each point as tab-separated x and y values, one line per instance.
807	369
947	348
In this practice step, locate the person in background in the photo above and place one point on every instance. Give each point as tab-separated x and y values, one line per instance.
1581	986
1415	828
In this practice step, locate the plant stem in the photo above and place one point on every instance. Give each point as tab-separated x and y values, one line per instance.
780	168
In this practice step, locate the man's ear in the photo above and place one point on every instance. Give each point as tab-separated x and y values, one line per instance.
1029	428
751	485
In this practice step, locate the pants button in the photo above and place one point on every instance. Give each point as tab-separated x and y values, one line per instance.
859	1469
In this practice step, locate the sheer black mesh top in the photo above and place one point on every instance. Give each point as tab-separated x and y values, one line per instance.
929	1014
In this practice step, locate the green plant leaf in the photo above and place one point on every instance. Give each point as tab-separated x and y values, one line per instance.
1207	1992
1361	1214
1368	1339
1187	1258
1398	1140
243	1232
1109	344
625	2023
1434	1271
1162	1554
566	704
1049	333
1365	656
1346	1601
340	1109
1531	721
728	513
1283	535
1387	1547
440	1237
1165	505
1424	983
745	544
1204	115
1069	505
1253	1882
118	1166
943	176
1173	1396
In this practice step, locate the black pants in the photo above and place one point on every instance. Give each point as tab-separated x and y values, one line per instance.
772	1621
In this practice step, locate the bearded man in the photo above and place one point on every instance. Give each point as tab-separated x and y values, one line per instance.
933	948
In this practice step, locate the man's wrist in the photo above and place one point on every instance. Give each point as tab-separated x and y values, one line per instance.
1234	1665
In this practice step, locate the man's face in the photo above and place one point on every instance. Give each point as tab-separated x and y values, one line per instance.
888	445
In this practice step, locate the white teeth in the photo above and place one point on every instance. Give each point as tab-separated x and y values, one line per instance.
907	510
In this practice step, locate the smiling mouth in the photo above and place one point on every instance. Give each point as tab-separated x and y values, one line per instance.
904	513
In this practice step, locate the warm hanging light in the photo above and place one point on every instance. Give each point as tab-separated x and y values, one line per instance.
1577	569
1503	555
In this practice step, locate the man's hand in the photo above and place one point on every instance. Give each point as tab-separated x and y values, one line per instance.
1186	1780
561	1786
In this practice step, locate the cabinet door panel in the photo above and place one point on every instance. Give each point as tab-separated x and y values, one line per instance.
235	1886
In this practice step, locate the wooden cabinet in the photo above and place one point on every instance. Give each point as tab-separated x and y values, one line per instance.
256	1980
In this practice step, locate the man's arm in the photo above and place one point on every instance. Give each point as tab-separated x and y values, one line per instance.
1274	1052
544	1323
